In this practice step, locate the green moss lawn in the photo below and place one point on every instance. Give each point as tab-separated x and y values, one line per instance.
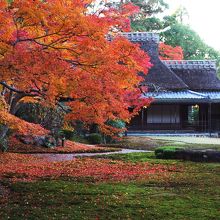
193	192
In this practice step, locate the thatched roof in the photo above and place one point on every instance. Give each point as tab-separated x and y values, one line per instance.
175	75
161	76
198	75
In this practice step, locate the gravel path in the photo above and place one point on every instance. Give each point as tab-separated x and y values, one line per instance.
190	140
64	157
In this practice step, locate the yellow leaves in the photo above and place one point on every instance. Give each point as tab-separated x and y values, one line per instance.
67	126
6	22
29	99
28	13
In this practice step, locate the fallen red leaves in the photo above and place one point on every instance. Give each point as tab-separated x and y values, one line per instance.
78	147
24	167
16	146
20	125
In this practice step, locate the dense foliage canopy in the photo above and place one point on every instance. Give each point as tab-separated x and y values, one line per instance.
55	50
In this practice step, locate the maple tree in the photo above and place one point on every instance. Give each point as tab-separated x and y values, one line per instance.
167	52
54	50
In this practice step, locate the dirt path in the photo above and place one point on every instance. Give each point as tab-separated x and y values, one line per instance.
64	157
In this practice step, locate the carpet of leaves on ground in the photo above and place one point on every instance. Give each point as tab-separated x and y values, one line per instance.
15	146
189	191
26	168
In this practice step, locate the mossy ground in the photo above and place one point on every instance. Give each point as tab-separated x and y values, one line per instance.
191	193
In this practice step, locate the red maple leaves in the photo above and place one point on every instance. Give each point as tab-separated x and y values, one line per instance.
21	167
50	50
168	52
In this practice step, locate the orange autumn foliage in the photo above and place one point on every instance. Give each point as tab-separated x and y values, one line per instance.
20	125
167	52
54	49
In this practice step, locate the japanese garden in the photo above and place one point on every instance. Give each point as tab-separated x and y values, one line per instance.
108	110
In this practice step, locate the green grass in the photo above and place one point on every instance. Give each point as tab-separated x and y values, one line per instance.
131	157
142	143
149	143
139	157
193	193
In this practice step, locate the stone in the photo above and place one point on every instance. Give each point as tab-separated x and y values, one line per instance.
39	140
44	141
207	155
26	139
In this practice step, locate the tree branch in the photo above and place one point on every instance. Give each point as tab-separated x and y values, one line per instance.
25	93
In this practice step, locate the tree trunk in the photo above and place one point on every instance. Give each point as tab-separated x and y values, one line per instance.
3	137
3	131
14	105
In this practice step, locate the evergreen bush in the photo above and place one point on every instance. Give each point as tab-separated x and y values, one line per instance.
167	152
68	134
94	138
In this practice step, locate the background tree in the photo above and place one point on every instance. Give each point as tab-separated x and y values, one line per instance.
147	7
173	31
193	46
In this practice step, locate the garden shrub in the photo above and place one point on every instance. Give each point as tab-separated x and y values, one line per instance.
73	135
79	138
116	124
47	117
68	134
180	153
167	152
119	124
94	138
80	128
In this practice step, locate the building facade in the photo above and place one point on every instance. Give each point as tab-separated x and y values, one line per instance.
186	93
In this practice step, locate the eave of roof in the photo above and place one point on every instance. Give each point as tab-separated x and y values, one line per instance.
186	96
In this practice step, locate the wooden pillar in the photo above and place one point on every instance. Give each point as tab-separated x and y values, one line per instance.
142	118
210	118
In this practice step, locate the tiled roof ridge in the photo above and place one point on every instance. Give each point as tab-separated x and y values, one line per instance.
138	36
190	64
141	36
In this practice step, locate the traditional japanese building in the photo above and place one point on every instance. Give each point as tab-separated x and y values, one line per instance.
186	93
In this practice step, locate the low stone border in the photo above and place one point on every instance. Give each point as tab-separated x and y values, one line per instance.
207	155
197	155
